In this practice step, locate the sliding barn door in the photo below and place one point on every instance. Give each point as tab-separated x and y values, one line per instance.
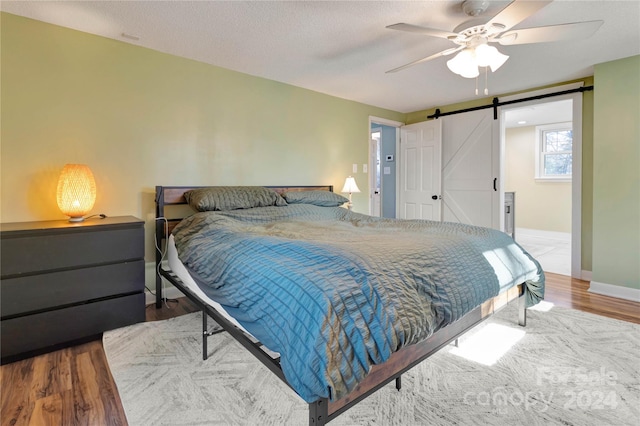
420	171
470	169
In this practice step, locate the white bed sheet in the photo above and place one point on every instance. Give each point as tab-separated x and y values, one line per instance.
180	270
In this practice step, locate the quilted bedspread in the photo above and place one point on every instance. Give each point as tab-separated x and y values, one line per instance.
336	292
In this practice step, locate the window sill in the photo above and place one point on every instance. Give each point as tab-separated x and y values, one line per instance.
553	179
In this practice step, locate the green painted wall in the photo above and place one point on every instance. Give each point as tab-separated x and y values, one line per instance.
141	118
587	153
616	173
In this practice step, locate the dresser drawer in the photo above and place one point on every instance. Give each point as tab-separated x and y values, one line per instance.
63	250
23	295
40	331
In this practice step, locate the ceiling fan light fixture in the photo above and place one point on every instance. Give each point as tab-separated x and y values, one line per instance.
498	60
464	64
489	56
470	72
484	54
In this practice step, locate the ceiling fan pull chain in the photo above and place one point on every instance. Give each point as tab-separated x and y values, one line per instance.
486	86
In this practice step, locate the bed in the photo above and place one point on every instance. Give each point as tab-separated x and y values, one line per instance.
331	301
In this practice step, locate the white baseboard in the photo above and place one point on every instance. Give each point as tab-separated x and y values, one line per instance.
611	290
552	235
585	275
169	291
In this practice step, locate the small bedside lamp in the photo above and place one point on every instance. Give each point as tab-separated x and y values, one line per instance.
76	191
350	187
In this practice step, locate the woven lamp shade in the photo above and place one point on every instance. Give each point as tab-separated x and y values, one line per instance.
76	191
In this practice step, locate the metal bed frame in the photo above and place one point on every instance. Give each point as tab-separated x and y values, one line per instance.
323	410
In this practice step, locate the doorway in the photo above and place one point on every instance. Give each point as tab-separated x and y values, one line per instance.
383	140
541	144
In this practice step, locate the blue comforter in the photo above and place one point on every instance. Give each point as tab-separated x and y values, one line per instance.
336	292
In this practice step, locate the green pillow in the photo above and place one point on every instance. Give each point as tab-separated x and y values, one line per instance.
232	198
317	198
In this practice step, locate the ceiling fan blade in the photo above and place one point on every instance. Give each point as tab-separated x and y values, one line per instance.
428	58
573	31
422	30
516	12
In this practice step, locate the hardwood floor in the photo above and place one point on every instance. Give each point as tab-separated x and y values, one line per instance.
573	293
74	386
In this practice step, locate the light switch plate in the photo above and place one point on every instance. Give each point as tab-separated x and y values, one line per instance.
355	168
364	168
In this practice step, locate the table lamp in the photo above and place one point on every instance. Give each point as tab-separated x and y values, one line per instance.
76	191
350	187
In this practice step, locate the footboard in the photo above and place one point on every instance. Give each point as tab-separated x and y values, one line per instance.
323	411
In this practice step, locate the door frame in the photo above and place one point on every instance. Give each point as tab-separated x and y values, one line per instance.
373	172
576	175
386	122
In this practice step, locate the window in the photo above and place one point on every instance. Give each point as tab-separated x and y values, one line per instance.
554	153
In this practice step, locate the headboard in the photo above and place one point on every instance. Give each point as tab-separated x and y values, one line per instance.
173	196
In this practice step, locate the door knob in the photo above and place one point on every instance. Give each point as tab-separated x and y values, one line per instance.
434	197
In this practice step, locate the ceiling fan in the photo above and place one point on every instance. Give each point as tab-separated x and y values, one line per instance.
474	42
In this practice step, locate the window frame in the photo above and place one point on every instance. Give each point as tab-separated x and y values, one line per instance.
540	153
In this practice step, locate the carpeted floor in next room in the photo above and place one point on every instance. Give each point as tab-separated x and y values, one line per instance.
566	367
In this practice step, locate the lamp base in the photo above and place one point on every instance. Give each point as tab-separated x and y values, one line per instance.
76	219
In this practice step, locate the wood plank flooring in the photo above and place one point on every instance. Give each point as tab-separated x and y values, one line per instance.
573	293
74	386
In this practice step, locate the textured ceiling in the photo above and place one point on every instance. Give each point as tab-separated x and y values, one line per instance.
342	48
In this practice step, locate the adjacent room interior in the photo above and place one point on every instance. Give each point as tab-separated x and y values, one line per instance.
544	232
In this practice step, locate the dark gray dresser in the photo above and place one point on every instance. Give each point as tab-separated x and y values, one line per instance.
62	283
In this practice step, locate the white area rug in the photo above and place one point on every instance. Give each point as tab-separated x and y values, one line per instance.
567	368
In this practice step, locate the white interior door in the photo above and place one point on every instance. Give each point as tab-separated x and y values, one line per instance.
420	171
471	188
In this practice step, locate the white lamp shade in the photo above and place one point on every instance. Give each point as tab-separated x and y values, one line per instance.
489	56
76	191
484	54
464	64
350	186
498	60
